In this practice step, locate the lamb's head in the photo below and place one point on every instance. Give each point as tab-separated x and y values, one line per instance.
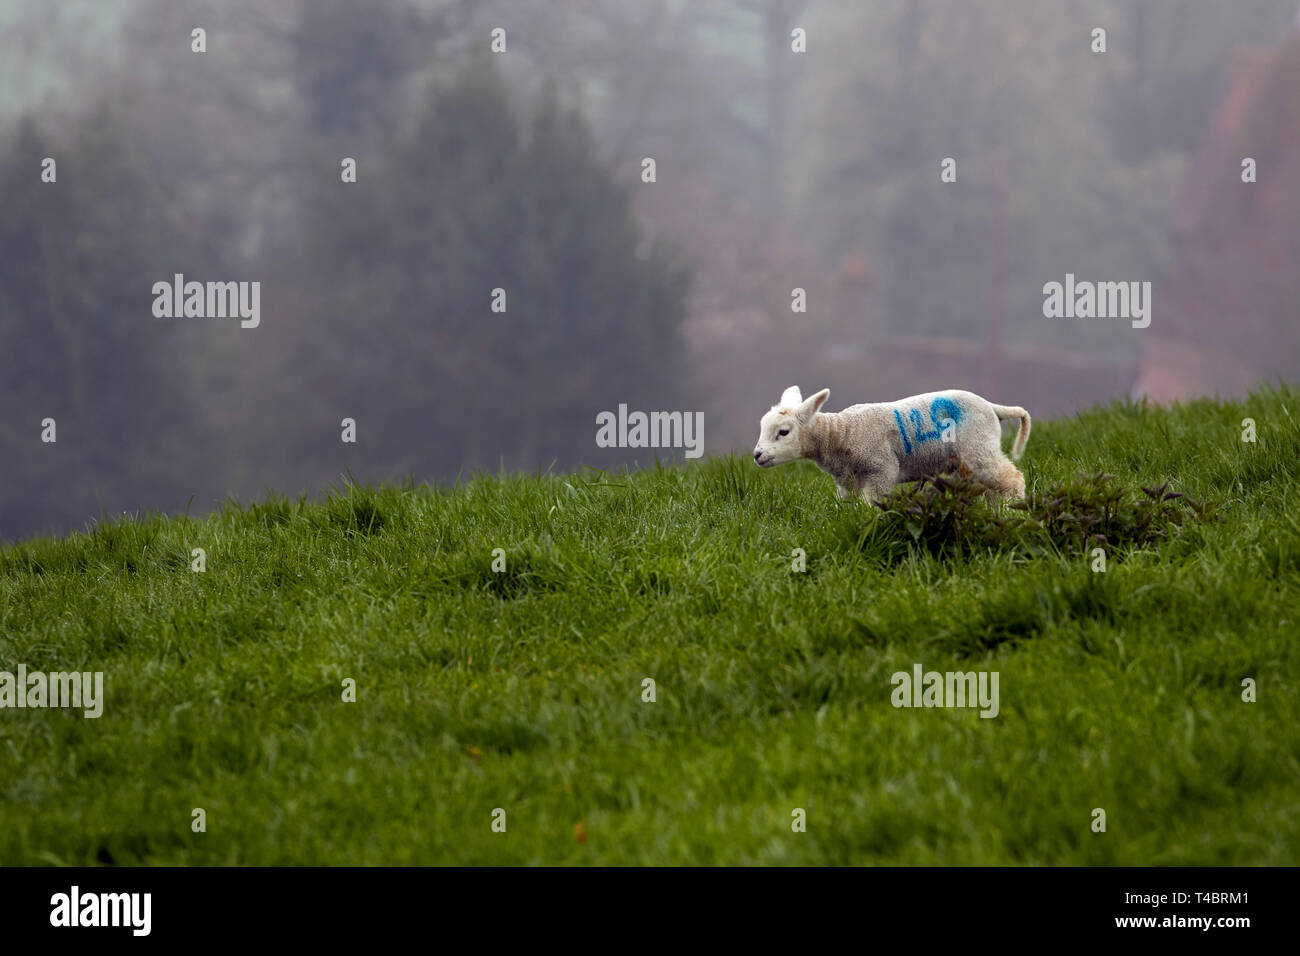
778	432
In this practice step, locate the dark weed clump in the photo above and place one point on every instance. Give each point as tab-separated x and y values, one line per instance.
950	514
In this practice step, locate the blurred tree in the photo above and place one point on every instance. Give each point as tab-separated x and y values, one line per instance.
84	348
475	199
987	84
1172	58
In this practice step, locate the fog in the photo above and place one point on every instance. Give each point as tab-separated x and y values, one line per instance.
472	229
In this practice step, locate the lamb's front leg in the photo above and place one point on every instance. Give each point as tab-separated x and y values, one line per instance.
845	481
878	483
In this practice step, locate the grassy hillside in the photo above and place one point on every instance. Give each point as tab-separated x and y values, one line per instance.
522	689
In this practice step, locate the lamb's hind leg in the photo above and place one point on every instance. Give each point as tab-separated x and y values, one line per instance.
1002	478
992	469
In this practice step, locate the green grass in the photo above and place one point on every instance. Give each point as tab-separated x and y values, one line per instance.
522	690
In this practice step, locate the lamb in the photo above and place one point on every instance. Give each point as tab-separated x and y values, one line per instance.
870	448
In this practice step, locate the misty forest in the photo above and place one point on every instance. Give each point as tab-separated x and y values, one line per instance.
523	169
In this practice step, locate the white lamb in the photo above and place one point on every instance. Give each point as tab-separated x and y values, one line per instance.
870	448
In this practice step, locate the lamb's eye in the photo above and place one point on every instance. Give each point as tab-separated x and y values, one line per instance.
783	431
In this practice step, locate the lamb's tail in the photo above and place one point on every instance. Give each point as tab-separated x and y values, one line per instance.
1022	433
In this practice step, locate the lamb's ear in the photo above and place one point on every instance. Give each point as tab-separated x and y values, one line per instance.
791	397
809	408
